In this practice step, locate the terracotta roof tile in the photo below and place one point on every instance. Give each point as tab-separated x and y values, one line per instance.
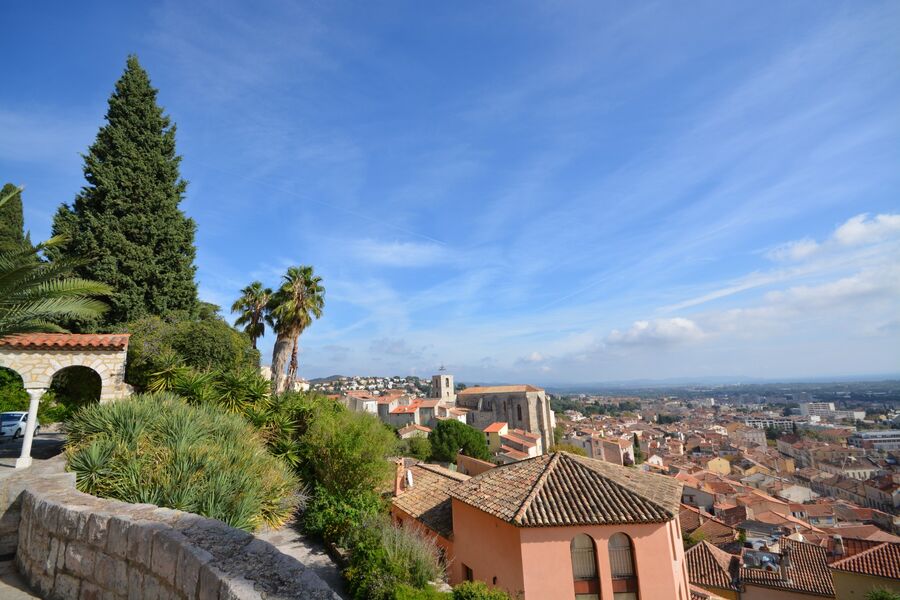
67	341
562	489
809	572
881	561
428	501
710	566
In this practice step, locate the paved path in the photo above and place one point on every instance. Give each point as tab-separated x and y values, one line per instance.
44	445
309	552
12	586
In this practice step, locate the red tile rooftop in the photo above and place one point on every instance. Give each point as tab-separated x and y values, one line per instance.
513	453
519	439
494	427
66	341
414	427
881	561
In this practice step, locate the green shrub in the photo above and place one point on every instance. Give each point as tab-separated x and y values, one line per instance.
12	392
157	449
158	345
417	447
882	594
407	592
334	517
477	590
384	557
346	452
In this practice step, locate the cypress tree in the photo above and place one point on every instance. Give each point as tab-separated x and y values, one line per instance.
125	224
12	223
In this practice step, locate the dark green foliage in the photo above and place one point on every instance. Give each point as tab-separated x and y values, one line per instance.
638	453
12	392
882	594
477	590
347	452
158	345
416	447
668	419
385	557
12	223
158	449
406	592
451	436
334	517
126	223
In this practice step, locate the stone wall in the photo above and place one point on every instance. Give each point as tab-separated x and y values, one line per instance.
75	546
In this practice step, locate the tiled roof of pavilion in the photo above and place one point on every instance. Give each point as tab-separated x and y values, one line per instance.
66	341
562	489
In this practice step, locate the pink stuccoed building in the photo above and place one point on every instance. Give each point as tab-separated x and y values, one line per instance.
557	526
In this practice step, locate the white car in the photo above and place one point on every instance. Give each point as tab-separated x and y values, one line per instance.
12	424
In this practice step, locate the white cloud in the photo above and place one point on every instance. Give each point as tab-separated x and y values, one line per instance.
657	332
860	230
863	230
400	254
794	251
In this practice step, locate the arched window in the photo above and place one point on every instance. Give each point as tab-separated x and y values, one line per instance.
519	411
621	565
584	568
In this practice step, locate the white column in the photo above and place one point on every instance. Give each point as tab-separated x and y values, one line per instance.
25	459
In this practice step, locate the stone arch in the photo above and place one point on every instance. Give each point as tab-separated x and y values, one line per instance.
37	357
76	383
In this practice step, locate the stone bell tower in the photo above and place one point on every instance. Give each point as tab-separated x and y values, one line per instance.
442	387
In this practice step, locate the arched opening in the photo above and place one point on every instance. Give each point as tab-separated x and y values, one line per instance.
584	567
621	565
70	389
12	391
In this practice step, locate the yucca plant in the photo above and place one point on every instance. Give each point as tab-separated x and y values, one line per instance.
157	448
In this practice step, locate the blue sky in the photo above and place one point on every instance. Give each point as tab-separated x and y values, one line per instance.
529	192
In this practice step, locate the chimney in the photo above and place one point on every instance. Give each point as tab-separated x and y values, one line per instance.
838	546
398	477
785	565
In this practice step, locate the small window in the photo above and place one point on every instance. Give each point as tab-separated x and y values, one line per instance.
584	568
519	411
621	564
468	575
584	559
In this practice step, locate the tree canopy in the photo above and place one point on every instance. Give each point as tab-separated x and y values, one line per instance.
451	436
125	224
12	223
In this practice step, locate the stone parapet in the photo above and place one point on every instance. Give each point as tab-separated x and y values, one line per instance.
73	546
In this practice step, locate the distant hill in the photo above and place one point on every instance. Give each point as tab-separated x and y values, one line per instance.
328	379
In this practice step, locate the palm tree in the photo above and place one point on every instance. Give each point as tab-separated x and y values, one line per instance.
34	293
252	306
296	303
